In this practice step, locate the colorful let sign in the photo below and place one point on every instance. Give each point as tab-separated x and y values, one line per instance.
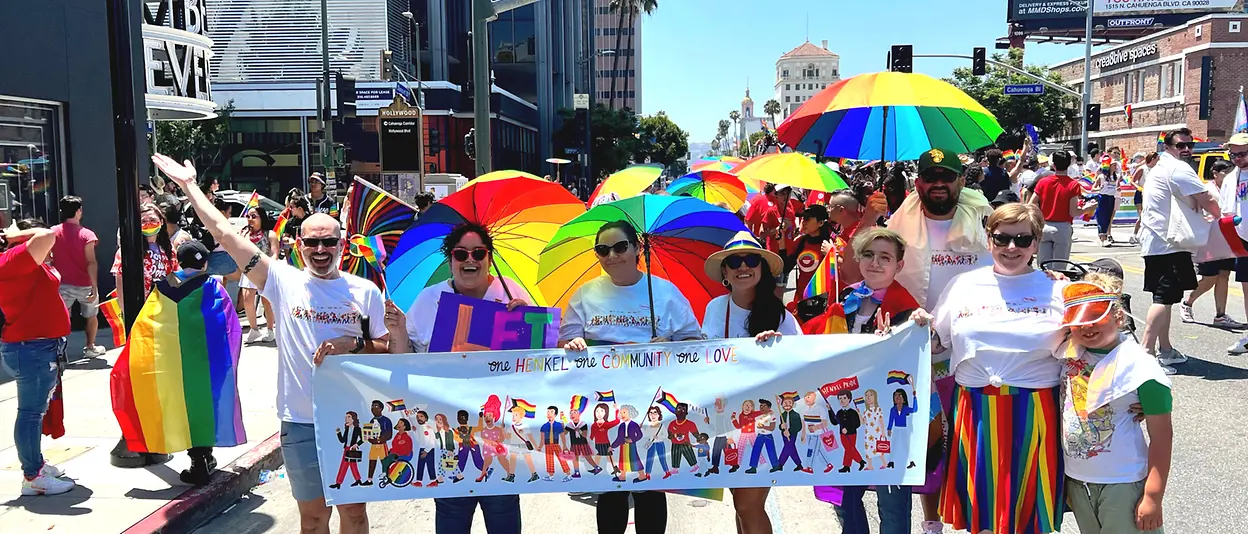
467	324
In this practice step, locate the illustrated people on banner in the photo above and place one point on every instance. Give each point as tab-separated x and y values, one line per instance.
493	435
351	439
764	425
426	445
703	450
627	442
599	432
873	430
899	425
683	433
655	435
522	445
848	420
790	432
384	430
552	445
719	422
578	442
401	446
466	436
448	463
745	424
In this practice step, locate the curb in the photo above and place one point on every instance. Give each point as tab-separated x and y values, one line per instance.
196	505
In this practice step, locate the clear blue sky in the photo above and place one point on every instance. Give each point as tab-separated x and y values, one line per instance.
698	53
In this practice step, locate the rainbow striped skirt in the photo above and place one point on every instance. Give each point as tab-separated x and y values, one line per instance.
1005	464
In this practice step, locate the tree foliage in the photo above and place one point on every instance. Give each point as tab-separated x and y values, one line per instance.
203	142
614	136
1049	112
772	108
660	140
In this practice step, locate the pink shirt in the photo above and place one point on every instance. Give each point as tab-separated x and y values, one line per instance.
69	253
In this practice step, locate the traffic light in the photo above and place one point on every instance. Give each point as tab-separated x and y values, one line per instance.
470	143
387	66
902	58
345	89
1092	118
1206	87
979	62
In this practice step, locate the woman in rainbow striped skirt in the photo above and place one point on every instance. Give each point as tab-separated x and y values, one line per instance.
1003	325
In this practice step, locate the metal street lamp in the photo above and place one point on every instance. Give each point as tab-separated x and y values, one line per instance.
593	95
414	50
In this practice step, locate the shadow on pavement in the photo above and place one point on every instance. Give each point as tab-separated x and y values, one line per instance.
89	364
63	504
1212	370
589	499
169	476
241	518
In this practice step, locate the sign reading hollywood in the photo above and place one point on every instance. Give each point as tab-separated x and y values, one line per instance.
175	60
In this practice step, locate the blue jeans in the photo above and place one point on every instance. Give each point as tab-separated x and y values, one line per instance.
33	365
454	515
894	506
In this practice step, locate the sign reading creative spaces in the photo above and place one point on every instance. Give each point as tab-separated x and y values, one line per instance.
688	417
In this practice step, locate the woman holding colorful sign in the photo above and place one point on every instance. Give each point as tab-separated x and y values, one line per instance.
614	309
743	266
470	252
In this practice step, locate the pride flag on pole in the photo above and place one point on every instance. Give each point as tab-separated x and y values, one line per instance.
252	203
824	280
112	314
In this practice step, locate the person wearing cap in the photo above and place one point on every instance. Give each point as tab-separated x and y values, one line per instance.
1001	325
942	225
1233	199
1058	197
321	203
1115	479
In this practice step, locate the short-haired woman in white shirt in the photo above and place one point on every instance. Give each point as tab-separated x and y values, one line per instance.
614	309
743	266
1003	325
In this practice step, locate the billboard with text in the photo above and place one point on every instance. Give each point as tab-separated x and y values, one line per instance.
1029	10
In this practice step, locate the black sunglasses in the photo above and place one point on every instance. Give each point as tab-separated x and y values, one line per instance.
605	250
1185	146
935	177
1003	240
750	260
1237	155
461	254
313	242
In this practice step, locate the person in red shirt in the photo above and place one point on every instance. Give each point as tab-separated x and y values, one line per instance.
401	445
73	255
851	216
681	431
806	252
775	217
32	346
1058	198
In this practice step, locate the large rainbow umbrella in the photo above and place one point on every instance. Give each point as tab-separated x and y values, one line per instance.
715	163
506	174
372	212
891	116
677	234
712	186
521	215
791	168
628	182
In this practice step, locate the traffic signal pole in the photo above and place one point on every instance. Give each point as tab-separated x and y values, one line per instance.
325	113
482	11
1087	77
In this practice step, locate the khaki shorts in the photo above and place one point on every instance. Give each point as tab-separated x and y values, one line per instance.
72	294
1106	508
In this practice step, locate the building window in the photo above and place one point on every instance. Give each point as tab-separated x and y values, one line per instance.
1234	26
784	75
834	73
788	99
786	87
31	160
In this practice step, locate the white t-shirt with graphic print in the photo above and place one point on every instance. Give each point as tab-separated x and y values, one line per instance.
310	311
601	311
946	263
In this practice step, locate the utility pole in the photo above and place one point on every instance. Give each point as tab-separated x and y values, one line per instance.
325	113
484	11
1087	78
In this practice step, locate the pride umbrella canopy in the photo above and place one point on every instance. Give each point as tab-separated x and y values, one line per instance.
628	182
504	175
521	215
791	168
373	213
716	163
677	234
891	116
711	186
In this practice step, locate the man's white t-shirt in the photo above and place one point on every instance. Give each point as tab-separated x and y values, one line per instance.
1237	201
1170	178
310	311
713	320
946	264
1002	330
424	310
603	312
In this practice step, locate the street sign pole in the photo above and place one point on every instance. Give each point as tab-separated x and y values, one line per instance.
481	57
1087	78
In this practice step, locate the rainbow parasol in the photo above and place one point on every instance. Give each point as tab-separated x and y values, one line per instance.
712	186
373	212
628	182
505	174
791	168
716	163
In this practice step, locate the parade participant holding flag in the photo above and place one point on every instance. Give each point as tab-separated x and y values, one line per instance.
748	310
614	309
470	251
321	312
259	231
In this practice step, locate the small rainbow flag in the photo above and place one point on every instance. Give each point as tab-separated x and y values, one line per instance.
1009	155
789	395
898	377
295	258
606	396
824	280
371	248
530	409
396	405
667	400
579	403
112	314
1161	137
279	227
252	203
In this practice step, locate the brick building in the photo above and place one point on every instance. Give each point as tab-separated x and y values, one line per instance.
1158	77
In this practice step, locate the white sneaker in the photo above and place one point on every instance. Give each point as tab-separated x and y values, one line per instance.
933	527
51	470
1170	371
1240	347
1185	312
1171	357
254	335
46	485
268	335
93	351
1225	321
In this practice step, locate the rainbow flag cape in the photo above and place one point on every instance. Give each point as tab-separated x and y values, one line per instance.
606	396
666	400
175	385
579	403
898	377
112	314
530	409
824	280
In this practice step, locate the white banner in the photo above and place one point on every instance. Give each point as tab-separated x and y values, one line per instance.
800	411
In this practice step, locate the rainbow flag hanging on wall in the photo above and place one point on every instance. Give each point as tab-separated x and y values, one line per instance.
824	280
175	385
112	313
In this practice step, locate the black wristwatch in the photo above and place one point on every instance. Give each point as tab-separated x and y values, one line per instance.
359	345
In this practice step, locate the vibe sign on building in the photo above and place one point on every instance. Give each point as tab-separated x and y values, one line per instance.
175	61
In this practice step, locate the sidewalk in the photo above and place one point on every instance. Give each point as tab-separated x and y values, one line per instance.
110	499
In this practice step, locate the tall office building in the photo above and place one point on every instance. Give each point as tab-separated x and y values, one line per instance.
613	33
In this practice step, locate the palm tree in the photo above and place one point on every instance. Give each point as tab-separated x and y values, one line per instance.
771	108
735	117
723	128
630	8
715	145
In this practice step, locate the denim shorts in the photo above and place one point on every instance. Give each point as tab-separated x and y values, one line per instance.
303	469
221	263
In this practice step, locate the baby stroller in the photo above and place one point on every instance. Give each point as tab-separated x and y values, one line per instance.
1076	271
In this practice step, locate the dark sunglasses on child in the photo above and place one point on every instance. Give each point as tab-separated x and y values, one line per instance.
750	260
461	254
605	250
1003	240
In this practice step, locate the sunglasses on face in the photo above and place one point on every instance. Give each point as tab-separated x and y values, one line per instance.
938	177
478	254
749	260
1003	240
605	250
313	242
1185	146
1237	155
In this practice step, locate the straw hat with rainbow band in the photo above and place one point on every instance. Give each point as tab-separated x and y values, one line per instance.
1086	303
742	243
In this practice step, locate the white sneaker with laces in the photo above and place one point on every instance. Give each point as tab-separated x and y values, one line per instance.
46	485
1225	321
93	351
1240	347
1185	312
254	335
267	336
51	470
1171	357
1170	371
933	527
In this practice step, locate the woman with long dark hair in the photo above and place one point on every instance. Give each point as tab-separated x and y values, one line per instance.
622	293
1107	200
158	260
259	230
745	267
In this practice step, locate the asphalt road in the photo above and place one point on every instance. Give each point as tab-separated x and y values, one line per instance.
1206	493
